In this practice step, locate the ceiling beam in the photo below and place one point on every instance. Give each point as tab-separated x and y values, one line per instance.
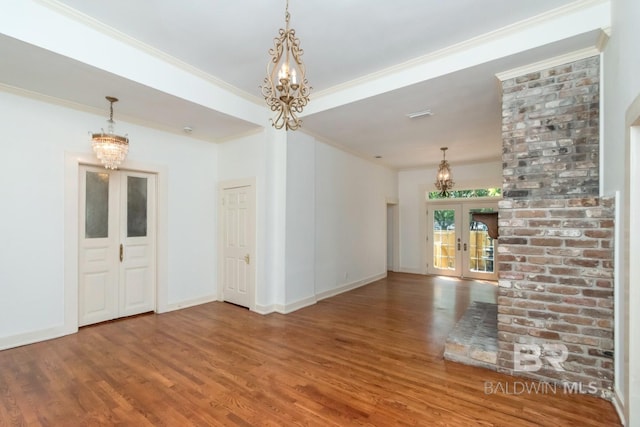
573	19
57	28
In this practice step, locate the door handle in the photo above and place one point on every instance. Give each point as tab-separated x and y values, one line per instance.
121	252
247	259
458	243
465	246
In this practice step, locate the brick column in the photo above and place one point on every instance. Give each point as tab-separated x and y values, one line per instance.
556	236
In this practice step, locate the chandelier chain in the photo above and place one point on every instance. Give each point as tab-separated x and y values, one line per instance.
287	16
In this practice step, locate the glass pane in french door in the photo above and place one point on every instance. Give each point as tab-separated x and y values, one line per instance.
444	239
136	206
481	245
96	205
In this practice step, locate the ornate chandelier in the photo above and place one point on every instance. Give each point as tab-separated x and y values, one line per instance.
111	149
444	183
288	92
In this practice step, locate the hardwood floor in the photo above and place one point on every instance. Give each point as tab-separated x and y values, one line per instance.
372	356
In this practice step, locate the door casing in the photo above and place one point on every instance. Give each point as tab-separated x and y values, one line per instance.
462	208
252	238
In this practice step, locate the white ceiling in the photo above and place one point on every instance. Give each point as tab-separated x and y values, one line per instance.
343	41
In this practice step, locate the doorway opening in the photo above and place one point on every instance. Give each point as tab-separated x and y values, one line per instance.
237	226
116	244
393	236
458	245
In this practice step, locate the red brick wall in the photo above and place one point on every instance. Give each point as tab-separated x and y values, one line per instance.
556	236
556	285
550	132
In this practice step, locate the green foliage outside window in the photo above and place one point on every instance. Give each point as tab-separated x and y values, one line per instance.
467	194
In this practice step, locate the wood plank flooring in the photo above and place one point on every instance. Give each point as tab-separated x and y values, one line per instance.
372	356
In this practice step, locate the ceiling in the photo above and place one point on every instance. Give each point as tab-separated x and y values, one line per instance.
346	44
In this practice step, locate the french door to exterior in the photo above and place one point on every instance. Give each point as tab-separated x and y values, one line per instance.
457	245
117	248
445	225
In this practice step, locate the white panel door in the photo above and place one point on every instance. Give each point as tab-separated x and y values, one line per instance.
137	239
116	244
238	225
98	242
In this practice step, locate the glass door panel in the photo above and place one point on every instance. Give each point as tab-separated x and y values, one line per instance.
445	242
136	206
479	248
457	245
96	205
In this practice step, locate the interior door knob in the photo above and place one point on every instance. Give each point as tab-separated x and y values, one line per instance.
247	259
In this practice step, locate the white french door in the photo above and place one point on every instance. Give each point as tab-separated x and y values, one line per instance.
445	238
117	247
457	245
238	245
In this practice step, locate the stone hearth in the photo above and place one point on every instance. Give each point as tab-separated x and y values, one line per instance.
474	339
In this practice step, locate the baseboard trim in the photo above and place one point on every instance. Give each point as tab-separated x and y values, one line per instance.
264	309
35	336
290	308
187	304
410	270
618	403
349	286
57	332
285	308
306	302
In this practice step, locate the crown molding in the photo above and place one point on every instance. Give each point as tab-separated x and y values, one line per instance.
257	130
603	38
103	112
466	45
52	100
345	149
434	166
548	63
93	23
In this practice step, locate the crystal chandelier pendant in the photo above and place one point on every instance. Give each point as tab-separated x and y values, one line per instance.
111	149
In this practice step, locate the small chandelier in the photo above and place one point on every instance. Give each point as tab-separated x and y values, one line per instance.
444	183
111	149
288	92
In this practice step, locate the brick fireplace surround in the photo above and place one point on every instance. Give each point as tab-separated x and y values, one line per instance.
556	235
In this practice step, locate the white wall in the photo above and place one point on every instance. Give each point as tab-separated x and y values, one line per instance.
412	187
192	211
244	158
321	216
621	87
32	192
301	217
350	226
